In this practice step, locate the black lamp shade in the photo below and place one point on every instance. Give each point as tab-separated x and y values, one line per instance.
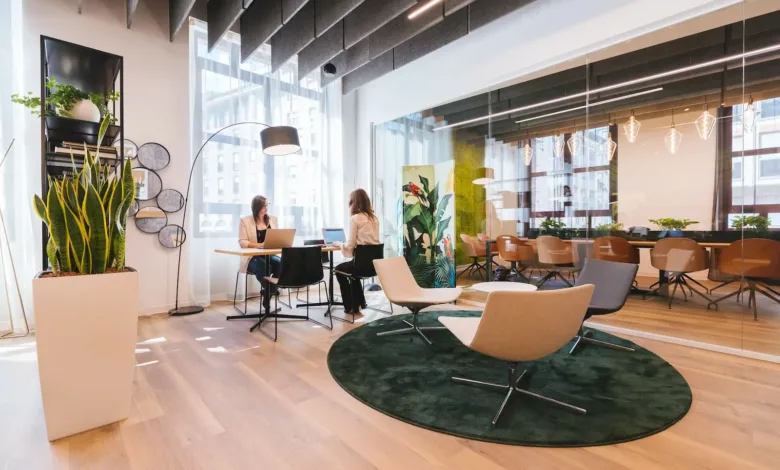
280	140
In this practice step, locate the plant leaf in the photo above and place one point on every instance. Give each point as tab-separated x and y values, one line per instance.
55	210
40	208
98	232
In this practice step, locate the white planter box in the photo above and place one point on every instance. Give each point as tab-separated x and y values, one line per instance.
86	330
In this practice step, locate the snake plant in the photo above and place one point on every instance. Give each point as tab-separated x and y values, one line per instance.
86	215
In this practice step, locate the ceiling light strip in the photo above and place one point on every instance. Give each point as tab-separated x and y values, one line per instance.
619	85
423	9
611	100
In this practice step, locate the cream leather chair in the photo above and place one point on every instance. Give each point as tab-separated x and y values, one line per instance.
522	327
557	257
401	289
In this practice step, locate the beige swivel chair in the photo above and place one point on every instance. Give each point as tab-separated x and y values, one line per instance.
515	251
476	251
557	257
401	289
522	327
678	257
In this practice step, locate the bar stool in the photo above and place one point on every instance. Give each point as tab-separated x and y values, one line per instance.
513	250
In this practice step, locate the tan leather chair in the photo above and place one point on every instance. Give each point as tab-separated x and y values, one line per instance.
678	257
754	261
474	250
401	289
615	249
522	327
513	250
557	257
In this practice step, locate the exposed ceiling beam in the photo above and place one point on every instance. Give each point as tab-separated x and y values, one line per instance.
370	16
221	15
321	50
178	12
400	29
290	8
131	7
259	23
347	61
330	12
292	37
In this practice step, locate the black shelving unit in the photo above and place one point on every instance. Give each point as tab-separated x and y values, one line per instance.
91	71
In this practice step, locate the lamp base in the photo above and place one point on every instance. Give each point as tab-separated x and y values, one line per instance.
182	311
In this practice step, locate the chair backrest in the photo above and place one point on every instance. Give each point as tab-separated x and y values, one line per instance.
553	250
511	248
301	266
678	255
364	259
612	281
482	237
525	326
615	249
469	245
396	278
325	258
751	257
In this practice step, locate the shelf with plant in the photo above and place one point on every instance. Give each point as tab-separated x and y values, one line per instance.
613	228
669	223
550	225
753	223
62	99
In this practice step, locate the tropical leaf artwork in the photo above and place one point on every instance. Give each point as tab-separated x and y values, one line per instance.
428	248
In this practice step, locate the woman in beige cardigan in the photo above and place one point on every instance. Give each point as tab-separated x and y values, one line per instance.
251	234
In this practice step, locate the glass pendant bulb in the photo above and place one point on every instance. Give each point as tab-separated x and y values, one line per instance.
559	145
705	124
611	146
749	115
672	139
528	153
631	128
575	144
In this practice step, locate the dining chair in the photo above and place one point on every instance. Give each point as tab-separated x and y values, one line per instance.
475	251
513	250
679	257
557	257
363	268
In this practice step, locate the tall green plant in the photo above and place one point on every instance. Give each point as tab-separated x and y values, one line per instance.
87	215
669	223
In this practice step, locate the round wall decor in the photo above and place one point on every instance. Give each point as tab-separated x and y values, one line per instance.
172	236
170	200
134	208
151	219
153	156
131	149
147	183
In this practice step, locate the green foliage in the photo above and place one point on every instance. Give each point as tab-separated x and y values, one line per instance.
430	255
469	197
669	223
611	227
87	215
63	97
549	224
757	223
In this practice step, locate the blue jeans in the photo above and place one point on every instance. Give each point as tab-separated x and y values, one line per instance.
257	267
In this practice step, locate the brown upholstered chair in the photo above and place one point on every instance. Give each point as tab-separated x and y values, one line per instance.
679	257
513	250
474	250
482	237
615	249
754	261
557	257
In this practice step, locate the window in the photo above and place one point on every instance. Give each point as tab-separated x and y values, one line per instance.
221	186
736	169
220	163
236	162
769	166
236	185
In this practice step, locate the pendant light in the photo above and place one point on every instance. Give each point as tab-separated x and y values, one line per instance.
631	128
749	115
484	176
574	143
705	123
673	138
528	152
610	146
559	142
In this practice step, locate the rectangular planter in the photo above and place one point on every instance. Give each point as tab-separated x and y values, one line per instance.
86	330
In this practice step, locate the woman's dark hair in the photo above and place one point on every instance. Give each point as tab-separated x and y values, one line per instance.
360	203
258	203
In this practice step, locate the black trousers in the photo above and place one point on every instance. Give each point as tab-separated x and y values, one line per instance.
351	292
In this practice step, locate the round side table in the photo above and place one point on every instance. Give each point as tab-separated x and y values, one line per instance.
502	286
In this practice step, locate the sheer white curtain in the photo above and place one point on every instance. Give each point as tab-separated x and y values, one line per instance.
19	177
305	189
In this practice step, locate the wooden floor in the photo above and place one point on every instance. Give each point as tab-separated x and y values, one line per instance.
211	395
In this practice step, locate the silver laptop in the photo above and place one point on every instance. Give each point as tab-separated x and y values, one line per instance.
330	235
276	238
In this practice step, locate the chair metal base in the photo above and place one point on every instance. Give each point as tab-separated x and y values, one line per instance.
413	328
475	266
680	280
584	338
751	287
515	387
552	275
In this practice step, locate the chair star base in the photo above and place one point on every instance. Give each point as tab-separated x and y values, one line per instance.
584	338
515	388
413	328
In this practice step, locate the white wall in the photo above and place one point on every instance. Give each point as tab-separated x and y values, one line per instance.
512	49
652	183
156	97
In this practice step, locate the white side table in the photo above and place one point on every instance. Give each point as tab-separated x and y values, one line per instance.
499	286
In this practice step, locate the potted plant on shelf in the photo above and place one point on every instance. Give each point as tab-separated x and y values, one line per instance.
672	227
613	228
753	223
550	226
70	102
86	307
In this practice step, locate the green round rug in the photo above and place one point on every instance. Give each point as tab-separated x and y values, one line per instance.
627	395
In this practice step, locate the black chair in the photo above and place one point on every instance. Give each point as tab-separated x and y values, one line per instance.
247	297
325	265
613	282
301	267
363	262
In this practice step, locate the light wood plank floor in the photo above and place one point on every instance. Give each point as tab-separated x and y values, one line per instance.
210	395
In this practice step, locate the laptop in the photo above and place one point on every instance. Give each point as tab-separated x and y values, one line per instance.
276	238
331	235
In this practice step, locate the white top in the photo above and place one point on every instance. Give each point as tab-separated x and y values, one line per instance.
503	286
363	230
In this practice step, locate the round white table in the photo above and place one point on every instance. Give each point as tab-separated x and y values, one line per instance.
503	286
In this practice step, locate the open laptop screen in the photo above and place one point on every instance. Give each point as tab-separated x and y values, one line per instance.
331	235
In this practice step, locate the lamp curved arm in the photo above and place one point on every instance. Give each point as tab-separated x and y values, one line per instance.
187	194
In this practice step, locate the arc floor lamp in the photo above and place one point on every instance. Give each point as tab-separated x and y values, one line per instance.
277	141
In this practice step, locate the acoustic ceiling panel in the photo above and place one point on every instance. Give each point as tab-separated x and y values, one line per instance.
321	50
370	16
400	29
178	12
330	12
131	6
451	6
259	23
290	8
374	69
349	60
484	11
453	27
292	37
221	15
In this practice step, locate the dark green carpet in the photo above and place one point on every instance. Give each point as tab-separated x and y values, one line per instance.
627	395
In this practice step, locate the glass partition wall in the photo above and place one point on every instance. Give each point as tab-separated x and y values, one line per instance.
667	157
